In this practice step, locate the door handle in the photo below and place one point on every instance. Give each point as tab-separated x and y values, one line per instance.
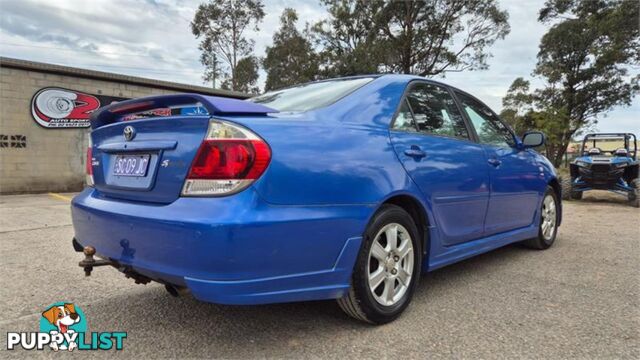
415	152
494	162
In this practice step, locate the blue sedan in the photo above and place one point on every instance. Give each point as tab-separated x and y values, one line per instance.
342	189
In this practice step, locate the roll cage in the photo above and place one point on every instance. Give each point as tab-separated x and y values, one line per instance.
601	136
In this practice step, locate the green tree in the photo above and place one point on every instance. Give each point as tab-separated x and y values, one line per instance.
349	37
221	25
291	59
524	110
423	37
584	60
247	75
212	68
430	37
518	105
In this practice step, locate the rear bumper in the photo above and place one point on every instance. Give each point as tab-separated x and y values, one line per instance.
232	250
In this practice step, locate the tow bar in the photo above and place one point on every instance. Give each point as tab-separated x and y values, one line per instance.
90	262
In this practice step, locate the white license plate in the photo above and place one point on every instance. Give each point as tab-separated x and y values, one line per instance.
131	165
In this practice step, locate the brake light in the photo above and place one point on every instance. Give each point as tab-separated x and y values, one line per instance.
229	159
89	165
127	108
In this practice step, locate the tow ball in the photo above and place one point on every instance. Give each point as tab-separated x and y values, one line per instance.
90	262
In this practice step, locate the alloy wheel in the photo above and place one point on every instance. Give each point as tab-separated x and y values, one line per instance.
549	217
390	265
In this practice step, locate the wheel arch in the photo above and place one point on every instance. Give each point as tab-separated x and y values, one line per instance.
573	170
416	210
557	189
632	172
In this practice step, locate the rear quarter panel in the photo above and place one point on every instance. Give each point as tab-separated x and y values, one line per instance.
340	154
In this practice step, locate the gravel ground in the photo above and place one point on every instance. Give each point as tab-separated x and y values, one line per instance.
579	299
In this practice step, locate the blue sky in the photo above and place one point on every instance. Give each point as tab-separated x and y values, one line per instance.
152	39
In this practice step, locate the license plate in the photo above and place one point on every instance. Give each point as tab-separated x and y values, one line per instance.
131	165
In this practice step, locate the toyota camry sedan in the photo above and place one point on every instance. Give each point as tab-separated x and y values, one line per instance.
342	189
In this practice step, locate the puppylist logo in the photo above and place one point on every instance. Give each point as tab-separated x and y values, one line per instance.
63	326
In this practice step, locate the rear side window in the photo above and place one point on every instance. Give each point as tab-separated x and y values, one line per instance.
434	111
488	126
404	120
311	95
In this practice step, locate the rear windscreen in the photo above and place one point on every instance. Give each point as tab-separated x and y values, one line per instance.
311	95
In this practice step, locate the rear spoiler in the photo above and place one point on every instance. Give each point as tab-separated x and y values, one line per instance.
214	105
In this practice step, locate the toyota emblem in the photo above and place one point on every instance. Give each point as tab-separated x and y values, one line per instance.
129	133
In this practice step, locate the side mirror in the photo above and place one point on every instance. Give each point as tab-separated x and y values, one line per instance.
532	139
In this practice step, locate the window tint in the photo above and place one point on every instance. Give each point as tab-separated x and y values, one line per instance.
487	124
310	96
404	119
435	112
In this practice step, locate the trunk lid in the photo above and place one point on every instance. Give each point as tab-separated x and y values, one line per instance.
148	159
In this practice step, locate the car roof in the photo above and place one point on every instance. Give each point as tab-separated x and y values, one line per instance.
404	77
408	78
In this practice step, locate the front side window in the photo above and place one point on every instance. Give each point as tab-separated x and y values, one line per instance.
435	112
310	96
490	129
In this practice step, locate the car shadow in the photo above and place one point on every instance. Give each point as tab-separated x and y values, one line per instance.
241	330
602	197
436	283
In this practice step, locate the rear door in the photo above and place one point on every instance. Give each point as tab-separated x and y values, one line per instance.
516	179
433	142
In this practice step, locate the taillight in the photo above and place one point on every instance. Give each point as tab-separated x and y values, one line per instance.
89	165
229	159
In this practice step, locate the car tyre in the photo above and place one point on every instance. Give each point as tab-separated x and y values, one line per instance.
634	196
576	195
565	183
567	190
399	268
549	219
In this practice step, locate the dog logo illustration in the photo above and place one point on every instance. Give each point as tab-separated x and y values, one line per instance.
63	326
63	318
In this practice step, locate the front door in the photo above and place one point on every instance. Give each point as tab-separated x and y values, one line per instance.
516	179
432	141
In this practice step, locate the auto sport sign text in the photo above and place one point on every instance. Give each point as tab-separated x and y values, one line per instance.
53	107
